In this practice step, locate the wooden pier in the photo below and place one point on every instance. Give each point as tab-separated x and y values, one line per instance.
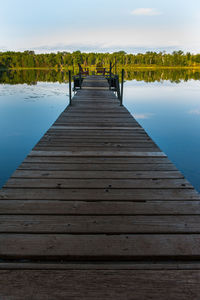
97	211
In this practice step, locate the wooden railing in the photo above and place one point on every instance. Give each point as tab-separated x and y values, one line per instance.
113	80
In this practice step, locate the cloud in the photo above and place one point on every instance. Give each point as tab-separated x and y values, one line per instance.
98	48
195	112
145	12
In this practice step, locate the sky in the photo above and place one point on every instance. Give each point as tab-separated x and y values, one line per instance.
100	25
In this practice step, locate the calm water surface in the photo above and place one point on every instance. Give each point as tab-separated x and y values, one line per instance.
169	110
26	112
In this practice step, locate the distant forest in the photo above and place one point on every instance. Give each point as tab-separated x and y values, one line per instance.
62	60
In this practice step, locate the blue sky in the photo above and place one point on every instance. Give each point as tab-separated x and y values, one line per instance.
100	25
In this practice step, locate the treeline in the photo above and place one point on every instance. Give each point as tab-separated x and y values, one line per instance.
33	76
60	60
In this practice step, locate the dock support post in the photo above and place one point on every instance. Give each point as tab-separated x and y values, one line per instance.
70	88
122	88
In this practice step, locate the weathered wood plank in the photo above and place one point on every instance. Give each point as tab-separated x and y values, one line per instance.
96	174
97	115
97	129
102	246
99	224
139	144
52	166
92	183
96	149
87	119
98	134
99	194
100	284
97	124
98	153
56	207
81	139
97	160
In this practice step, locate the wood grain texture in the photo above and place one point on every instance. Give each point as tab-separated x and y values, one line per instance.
98	152
97	194
96	174
99	246
57	207
60	166
99	224
100	284
92	183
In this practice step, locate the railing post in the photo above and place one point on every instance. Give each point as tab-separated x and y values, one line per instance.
122	88
70	88
80	81
110	76
117	87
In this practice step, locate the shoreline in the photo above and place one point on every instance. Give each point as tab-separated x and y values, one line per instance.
120	67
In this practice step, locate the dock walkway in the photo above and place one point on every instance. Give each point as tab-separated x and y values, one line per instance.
97	211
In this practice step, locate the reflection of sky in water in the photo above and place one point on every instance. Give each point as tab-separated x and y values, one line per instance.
170	113
26	112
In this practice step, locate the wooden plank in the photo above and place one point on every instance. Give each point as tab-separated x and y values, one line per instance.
140	144
56	207
75	136
96	150
52	166
100	284
104	106
109	175
98	160
86	144
74	119
67	134
94	88
98	153
99	131
111	115
92	183
100	139
97	124
102	246
99	194
99	224
94	109
93	139
59	127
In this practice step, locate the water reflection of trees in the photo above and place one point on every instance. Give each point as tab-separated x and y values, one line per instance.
174	75
32	76
147	75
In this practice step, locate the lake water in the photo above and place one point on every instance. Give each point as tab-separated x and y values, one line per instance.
166	103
